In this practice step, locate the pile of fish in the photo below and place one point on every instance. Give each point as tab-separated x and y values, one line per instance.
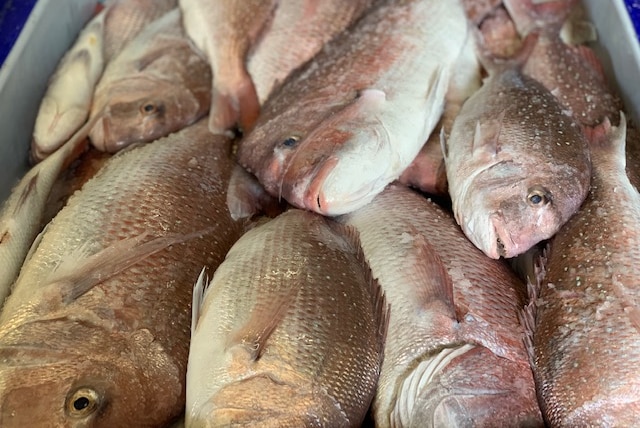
297	213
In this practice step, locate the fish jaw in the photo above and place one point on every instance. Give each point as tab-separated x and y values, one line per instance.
47	139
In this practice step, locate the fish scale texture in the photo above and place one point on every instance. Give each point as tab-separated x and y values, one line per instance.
136	321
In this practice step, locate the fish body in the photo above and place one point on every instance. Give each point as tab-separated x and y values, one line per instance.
288	332
225	31
157	85
67	101
586	341
310	23
352	119
96	330
454	354
517	164
561	68
632	153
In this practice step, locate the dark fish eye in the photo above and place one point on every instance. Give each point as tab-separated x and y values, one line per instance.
148	108
538	196
290	141
83	402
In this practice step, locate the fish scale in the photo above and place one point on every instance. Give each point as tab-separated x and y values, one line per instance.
110	284
587	303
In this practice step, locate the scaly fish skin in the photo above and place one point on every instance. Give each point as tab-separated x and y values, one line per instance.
157	85
454	354
311	23
586	341
353	118
289	332
96	330
517	165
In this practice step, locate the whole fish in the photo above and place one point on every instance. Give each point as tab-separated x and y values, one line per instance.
311	23
289	332
96	330
352	119
517	163
225	31
157	85
586	340
67	102
454	354
565	70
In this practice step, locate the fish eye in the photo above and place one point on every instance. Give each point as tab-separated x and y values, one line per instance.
148	108
82	402
538	196
290	141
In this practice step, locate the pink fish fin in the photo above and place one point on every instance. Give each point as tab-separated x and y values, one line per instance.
527	315
589	56
605	138
246	197
235	106
199	289
534	14
431	272
80	271
263	320
486	138
381	309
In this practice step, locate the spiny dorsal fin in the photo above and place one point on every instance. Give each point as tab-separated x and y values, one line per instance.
199	289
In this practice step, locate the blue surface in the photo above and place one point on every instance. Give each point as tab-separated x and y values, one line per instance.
13	15
633	7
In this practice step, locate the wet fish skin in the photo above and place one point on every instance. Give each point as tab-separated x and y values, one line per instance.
586	314
359	124
103	303
517	164
66	103
225	31
565	70
288	333
311	23
454	354
632	153
157	85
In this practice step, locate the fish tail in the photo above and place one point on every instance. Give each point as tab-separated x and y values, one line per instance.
234	106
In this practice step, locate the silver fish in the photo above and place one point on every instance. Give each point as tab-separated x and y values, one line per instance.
289	332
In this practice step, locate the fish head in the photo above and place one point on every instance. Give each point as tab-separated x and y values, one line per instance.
95	381
138	113
513	210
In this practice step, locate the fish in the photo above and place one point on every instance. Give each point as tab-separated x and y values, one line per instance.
289	331
96	330
311	23
517	162
27	207
454	354
567	71
157	85
632	153
352	119
66	105
427	172
225	31
583	321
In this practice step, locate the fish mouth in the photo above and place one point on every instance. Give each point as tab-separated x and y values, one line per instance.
504	244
